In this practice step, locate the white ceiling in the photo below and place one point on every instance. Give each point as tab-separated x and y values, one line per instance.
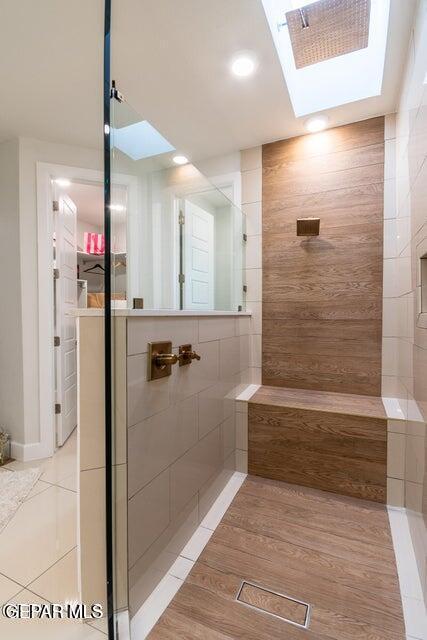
171	61
89	200
51	70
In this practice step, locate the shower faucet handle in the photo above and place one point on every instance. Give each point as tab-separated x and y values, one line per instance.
187	355
160	359
163	359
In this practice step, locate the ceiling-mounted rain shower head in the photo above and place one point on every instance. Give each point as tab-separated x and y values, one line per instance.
308	226
327	29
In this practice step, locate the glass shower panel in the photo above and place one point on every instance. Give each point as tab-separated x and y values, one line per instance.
177	243
177	240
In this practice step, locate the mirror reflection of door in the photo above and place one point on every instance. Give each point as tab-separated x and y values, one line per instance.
199	285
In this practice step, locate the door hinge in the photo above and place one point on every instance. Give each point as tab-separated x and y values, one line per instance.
57	341
181	278
245	237
245	288
55	205
115	93
55	274
240	308
181	218
57	408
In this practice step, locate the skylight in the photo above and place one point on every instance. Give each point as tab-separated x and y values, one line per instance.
337	81
140	140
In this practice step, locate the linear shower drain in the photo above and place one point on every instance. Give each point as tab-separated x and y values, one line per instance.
274	603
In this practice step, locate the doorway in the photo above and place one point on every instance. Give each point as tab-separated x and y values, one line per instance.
79	192
198	257
208	241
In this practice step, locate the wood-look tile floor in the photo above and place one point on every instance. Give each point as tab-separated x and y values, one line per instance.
332	552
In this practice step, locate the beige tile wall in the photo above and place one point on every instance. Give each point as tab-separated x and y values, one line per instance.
251	168
397	287
405	335
181	436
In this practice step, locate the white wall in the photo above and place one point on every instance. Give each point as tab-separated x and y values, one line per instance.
11	357
219	167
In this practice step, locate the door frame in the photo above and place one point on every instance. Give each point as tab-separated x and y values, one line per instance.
45	174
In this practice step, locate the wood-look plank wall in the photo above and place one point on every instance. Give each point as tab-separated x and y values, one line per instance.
322	297
330	451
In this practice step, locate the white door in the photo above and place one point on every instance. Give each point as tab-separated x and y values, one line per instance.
65	322
199	258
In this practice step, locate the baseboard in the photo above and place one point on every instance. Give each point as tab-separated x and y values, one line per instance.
30	451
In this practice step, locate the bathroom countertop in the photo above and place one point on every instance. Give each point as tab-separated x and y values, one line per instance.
160	312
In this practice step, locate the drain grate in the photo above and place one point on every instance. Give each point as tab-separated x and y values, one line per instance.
274	603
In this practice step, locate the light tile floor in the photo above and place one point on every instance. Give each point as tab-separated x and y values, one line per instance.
38	550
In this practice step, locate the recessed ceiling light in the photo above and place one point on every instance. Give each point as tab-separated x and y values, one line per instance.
317	123
243	66
180	159
117	207
62	182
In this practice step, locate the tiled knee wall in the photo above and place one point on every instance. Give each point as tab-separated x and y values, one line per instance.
181	435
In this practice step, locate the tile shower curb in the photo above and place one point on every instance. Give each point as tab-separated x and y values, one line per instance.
414	610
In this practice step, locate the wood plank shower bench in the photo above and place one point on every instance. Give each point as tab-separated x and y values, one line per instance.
331	441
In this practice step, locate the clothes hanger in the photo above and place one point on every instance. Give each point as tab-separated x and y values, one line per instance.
96	266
